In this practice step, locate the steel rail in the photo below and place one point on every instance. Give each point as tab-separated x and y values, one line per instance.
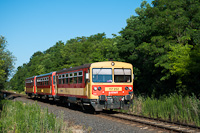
166	121
162	124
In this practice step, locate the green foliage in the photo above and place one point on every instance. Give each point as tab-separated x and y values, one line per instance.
75	52
160	43
84	50
21	117
6	62
175	108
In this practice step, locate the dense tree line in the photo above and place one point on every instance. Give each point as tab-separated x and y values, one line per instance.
6	62
162	42
75	52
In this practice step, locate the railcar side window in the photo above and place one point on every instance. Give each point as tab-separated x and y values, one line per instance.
29	82
75	77
60	80
71	78
80	77
54	79
102	75
122	75
66	79
63	79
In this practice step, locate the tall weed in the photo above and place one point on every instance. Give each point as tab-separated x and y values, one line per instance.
21	117
174	108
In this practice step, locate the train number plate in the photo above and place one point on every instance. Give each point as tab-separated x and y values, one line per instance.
113	88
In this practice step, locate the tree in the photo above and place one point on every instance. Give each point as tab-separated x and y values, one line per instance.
6	62
82	50
75	52
159	43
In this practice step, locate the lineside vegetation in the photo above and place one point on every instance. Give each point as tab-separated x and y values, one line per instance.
174	108
20	118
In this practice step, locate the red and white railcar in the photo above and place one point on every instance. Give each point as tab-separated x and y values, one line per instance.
101	85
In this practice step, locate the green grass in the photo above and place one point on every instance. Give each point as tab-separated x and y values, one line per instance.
19	117
174	108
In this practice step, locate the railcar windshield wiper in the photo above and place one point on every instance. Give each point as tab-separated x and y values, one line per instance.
99	71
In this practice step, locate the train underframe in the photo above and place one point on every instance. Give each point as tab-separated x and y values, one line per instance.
103	103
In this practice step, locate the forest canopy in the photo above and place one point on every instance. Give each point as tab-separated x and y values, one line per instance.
162	42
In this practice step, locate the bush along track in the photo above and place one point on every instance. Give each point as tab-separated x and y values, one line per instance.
174	108
20	117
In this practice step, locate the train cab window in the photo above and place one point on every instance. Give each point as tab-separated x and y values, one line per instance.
80	77
102	75
122	75
75	78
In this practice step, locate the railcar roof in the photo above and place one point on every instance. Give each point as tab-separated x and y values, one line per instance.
46	74
30	77
74	68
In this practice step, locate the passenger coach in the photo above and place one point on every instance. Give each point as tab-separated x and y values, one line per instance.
101	85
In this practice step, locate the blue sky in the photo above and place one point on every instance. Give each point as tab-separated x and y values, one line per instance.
35	25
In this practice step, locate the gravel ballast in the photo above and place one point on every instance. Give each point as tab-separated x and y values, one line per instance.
90	122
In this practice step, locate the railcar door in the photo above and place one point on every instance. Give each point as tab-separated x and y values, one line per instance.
87	85
54	84
34	84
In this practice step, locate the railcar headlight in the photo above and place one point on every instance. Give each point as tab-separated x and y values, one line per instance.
95	88
130	88
99	88
126	88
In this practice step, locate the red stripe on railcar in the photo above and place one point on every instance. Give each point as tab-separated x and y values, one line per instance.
104	90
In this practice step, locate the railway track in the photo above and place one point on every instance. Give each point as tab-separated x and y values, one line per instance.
157	123
151	122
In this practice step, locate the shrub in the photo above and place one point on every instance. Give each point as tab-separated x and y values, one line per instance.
21	117
174	108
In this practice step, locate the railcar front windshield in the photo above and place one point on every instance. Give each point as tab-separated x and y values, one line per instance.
122	75
103	75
